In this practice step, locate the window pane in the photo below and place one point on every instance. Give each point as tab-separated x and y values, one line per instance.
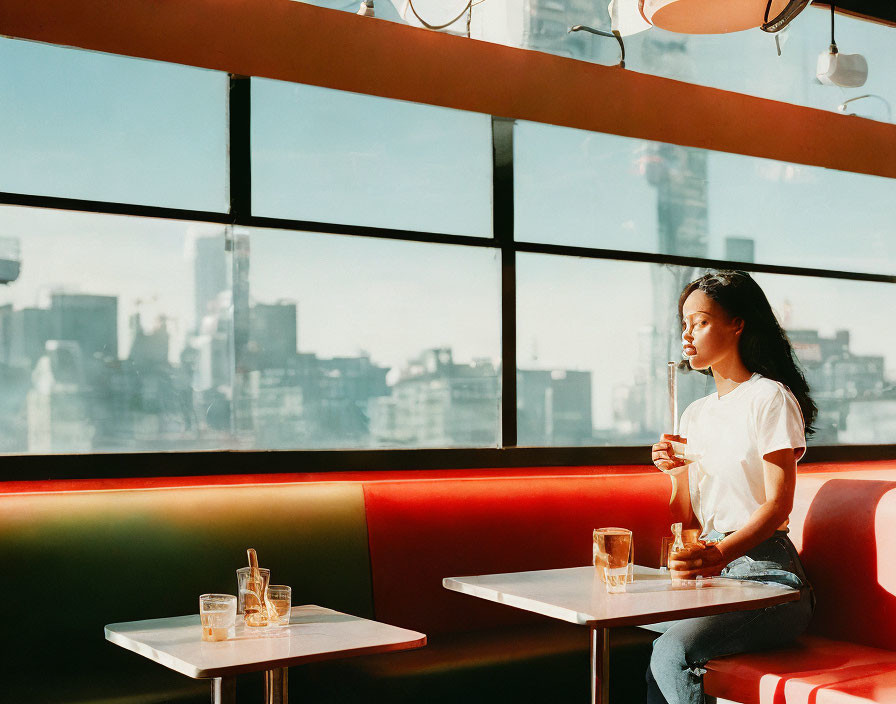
80	124
619	328
598	190
115	334
605	326
841	334
357	342
329	156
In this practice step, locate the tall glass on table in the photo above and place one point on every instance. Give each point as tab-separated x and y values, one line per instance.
244	583
612	552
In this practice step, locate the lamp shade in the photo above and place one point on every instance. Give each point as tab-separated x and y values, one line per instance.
626	18
708	16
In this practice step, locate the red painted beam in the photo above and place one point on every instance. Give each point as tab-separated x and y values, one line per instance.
296	42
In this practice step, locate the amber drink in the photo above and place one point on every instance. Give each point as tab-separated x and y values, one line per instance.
255	610
279	599
611	551
687	548
244	585
217	614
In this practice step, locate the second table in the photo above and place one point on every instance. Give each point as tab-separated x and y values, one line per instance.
577	595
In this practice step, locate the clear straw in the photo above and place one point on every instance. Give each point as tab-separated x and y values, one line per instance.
673	397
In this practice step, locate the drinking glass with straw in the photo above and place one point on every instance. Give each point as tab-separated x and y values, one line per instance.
256	611
679	449
673	397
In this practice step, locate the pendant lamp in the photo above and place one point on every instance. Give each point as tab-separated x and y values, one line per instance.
711	16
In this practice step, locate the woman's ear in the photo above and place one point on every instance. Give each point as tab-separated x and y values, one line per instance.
738	325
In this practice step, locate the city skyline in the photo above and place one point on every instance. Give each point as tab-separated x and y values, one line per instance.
287	398
573	341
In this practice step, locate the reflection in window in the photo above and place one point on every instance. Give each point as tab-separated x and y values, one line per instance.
715	60
80	124
594	337
114	334
329	156
352	342
598	190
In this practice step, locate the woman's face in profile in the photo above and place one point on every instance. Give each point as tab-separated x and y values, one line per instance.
709	335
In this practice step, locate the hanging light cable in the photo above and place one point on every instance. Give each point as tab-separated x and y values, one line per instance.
410	4
613	35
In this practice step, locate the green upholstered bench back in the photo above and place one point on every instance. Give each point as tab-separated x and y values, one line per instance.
76	561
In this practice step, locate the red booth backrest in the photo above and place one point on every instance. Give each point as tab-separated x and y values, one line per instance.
421	531
844	525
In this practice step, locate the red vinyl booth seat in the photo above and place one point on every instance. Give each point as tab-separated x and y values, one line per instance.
408	531
844	525
423	531
876	688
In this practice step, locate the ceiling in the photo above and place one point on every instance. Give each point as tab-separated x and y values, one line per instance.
883	11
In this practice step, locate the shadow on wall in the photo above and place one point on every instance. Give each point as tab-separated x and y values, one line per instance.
839	553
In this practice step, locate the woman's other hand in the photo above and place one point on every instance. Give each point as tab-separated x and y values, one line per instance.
697	560
663	457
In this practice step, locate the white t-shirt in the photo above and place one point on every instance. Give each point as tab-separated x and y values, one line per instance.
730	435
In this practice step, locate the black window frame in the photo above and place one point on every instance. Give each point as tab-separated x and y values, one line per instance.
509	454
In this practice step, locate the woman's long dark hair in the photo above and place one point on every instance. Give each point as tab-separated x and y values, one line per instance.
764	346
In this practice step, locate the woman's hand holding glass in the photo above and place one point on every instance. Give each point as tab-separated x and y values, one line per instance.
664	457
697	560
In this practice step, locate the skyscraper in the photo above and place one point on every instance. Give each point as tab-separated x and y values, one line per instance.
89	320
23	335
740	249
210	275
58	402
273	334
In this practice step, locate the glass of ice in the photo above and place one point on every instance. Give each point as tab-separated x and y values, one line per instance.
612	548
280	598
217	613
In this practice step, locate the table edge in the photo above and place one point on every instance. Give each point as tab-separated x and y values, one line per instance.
784	595
414	640
320	657
133	646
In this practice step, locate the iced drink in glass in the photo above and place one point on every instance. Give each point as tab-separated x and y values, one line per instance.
217	614
611	552
280	601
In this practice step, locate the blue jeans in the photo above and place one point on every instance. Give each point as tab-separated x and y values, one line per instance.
675	675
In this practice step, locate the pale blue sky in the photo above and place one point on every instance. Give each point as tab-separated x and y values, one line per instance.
384	163
589	189
82	124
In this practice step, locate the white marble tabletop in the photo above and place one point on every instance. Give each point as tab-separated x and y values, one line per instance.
313	633
576	595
